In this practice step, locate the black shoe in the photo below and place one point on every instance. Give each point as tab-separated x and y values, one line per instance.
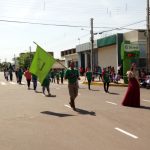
71	104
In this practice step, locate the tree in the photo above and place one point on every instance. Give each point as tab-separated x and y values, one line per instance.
25	59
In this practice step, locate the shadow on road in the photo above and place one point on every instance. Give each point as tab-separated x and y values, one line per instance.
113	93
94	90
38	92
56	114
85	112
145	107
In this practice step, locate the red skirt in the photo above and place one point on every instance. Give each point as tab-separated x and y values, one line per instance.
132	97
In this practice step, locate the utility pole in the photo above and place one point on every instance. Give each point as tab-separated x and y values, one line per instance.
148	38
92	42
15	61
30	55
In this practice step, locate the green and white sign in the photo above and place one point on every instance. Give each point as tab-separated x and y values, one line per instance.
129	53
131	47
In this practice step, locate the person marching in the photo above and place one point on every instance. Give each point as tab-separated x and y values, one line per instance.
34	80
52	76
27	74
62	76
132	97
89	77
20	73
106	79
72	75
57	76
45	84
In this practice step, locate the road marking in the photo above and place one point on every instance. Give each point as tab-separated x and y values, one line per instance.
146	100
111	103
3	83
127	133
67	106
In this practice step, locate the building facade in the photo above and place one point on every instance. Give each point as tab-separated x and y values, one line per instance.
107	51
70	55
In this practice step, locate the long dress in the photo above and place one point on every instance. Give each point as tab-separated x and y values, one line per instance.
132	97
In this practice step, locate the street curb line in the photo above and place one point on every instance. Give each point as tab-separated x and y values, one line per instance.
111	84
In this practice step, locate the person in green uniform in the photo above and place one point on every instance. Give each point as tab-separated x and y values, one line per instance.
62	75
45	85
89	77
106	79
20	73
72	75
52	76
57	77
34	80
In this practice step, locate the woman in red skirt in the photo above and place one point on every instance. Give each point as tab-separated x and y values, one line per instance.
132	97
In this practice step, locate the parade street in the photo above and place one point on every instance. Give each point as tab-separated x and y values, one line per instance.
31	121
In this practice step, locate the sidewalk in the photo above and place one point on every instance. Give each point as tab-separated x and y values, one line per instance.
98	83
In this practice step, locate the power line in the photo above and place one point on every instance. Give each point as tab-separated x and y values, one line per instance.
73	26
39	23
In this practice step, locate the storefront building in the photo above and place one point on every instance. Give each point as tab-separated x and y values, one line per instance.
138	37
109	51
84	54
70	55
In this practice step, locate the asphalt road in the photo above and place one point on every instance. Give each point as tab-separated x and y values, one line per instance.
30	121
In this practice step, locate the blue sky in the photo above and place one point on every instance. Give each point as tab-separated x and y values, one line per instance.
18	37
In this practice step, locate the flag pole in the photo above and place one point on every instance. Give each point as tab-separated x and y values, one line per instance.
54	58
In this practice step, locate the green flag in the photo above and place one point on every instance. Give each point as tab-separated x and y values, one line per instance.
41	64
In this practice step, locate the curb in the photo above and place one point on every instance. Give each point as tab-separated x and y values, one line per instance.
111	84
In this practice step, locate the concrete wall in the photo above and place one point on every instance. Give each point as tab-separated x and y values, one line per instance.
73	57
107	56
131	36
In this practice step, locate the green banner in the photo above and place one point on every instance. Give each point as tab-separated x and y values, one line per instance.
41	64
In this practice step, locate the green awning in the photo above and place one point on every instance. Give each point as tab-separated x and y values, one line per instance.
107	41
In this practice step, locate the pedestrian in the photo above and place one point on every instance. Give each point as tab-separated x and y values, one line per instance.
132	97
89	77
72	75
10	74
106	79
62	76
34	80
28	76
57	76
52	76
6	73
20	73
100	72
45	85
16	74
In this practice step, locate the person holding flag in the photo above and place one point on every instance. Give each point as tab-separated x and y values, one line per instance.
41	65
72	75
45	84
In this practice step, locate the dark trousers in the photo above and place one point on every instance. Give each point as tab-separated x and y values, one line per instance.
28	82
53	80
46	87
106	86
34	84
62	80
11	77
19	79
89	83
